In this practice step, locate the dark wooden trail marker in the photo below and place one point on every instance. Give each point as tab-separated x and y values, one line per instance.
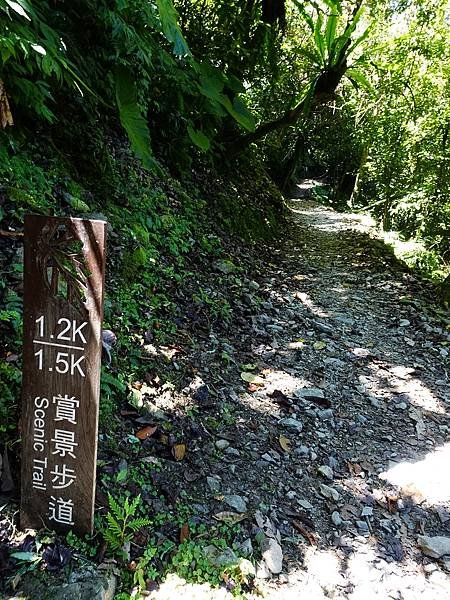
64	267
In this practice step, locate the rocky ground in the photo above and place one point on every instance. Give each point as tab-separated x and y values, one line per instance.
332	448
318	420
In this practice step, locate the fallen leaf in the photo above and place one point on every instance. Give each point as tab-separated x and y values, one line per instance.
392	504
178	451
319	345
252	378
146	432
354	468
285	444
304	532
185	534
163	439
227	516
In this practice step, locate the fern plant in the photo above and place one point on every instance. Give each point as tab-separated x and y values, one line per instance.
122	523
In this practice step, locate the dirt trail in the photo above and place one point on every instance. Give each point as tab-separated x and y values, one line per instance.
343	443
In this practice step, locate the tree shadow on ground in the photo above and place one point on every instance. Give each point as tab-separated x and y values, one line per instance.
333	317
329	312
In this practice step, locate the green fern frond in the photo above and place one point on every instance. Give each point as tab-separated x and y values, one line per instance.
114	507
137	524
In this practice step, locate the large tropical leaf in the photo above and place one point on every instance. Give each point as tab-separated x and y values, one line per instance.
199	138
330	33
319	38
212	85
131	118
334	6
171	29
340	42
358	78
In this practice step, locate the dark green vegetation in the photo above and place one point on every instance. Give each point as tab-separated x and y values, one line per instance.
165	118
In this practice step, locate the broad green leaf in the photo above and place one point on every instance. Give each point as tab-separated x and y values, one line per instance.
318	36
18	8
334	6
359	78
212	84
79	205
199	138
131	118
111	380
342	40
309	96
121	475
330	32
171	29
26	556
252	378
235	84
242	115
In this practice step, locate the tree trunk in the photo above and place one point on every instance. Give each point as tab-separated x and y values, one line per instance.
324	90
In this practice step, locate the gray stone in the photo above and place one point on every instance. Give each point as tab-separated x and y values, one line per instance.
291	424
225	266
435	547
83	586
326	472
268	458
236	502
301	451
222	444
232	451
362	526
329	492
220	558
309	393
325	414
272	555
246	547
213	483
336	518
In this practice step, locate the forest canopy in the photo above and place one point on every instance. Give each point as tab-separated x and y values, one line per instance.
356	92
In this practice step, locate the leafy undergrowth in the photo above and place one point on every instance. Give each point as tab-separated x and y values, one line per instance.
172	282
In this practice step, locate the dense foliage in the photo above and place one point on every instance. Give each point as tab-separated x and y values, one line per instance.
357	91
179	121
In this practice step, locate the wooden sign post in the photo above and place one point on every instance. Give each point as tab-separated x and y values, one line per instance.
64	267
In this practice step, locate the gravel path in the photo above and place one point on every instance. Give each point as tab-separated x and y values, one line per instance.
340	445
